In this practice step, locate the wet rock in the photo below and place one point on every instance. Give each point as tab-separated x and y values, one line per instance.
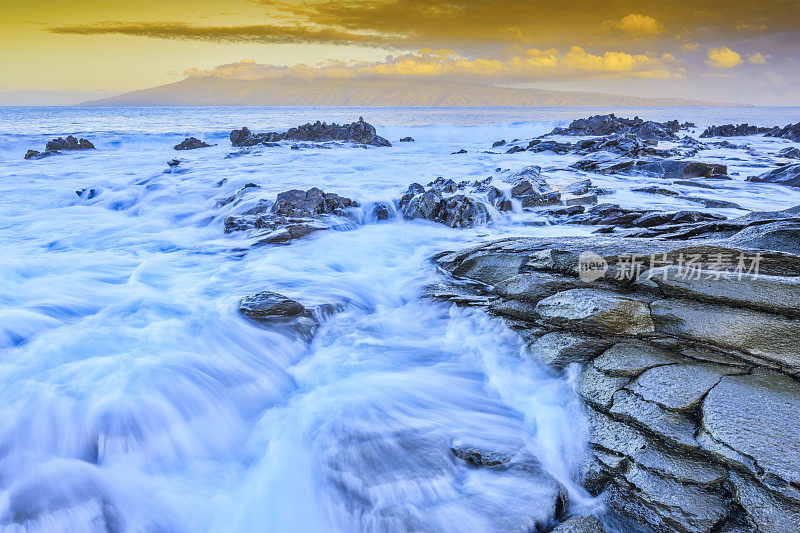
596	311
462	151
579	187
70	143
790	132
191	143
731	130
775	294
588	199
765	512
598	388
534	286
791	152
631	358
269	304
407	140
679	387
580	524
766	336
172	163
498	143
87	194
538	145
610	124
461	211
666	504
479	453
673	428
605	163
357	132
712	203
747	419
515	149
560	349
671	169
788	175
313	202
439	202
35	154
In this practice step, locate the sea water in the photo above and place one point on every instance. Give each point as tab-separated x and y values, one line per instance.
133	396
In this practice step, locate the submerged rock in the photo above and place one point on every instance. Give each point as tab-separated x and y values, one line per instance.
277	311
191	143
35	154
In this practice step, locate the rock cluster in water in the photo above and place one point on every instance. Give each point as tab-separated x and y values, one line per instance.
790	131
358	132
611	124
690	377
271	309
56	146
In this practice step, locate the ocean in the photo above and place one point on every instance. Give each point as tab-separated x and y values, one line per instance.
133	396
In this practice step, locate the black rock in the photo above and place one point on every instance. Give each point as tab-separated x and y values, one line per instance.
407	140
269	304
70	143
87	194
498	143
791	132
609	124
35	154
173	163
358	132
462	151
313	202
191	143
790	153
731	130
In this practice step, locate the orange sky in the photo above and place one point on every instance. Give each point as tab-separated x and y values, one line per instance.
740	51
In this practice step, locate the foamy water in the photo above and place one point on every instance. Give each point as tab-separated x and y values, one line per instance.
134	397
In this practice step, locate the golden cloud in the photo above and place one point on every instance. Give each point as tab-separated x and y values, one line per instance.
723	57
758	58
518	65
637	25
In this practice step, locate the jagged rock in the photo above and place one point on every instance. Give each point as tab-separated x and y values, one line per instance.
605	163
461	211
596	311
609	124
313	202
358	132
671	169
70	143
462	151
579	187
788	175
191	143
766	336
560	349
538	145
790	132
791	152
439	203
749	422
498	143
731	130
407	140
172	163
580	524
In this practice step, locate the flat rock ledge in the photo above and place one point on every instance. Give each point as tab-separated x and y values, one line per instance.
691	382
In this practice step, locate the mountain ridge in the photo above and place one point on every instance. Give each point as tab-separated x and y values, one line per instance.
211	91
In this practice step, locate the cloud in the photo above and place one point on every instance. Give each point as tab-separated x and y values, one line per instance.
517	65
263	33
758	58
723	57
690	47
637	25
751	27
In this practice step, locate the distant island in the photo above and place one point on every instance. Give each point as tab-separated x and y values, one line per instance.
211	91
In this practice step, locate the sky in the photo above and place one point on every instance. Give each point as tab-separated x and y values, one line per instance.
742	51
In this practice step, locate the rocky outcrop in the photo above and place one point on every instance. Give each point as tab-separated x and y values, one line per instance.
276	311
358	132
791	152
610	124
70	143
56	146
191	143
790	132
294	214
689	366
737	130
458	205
788	175
609	163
